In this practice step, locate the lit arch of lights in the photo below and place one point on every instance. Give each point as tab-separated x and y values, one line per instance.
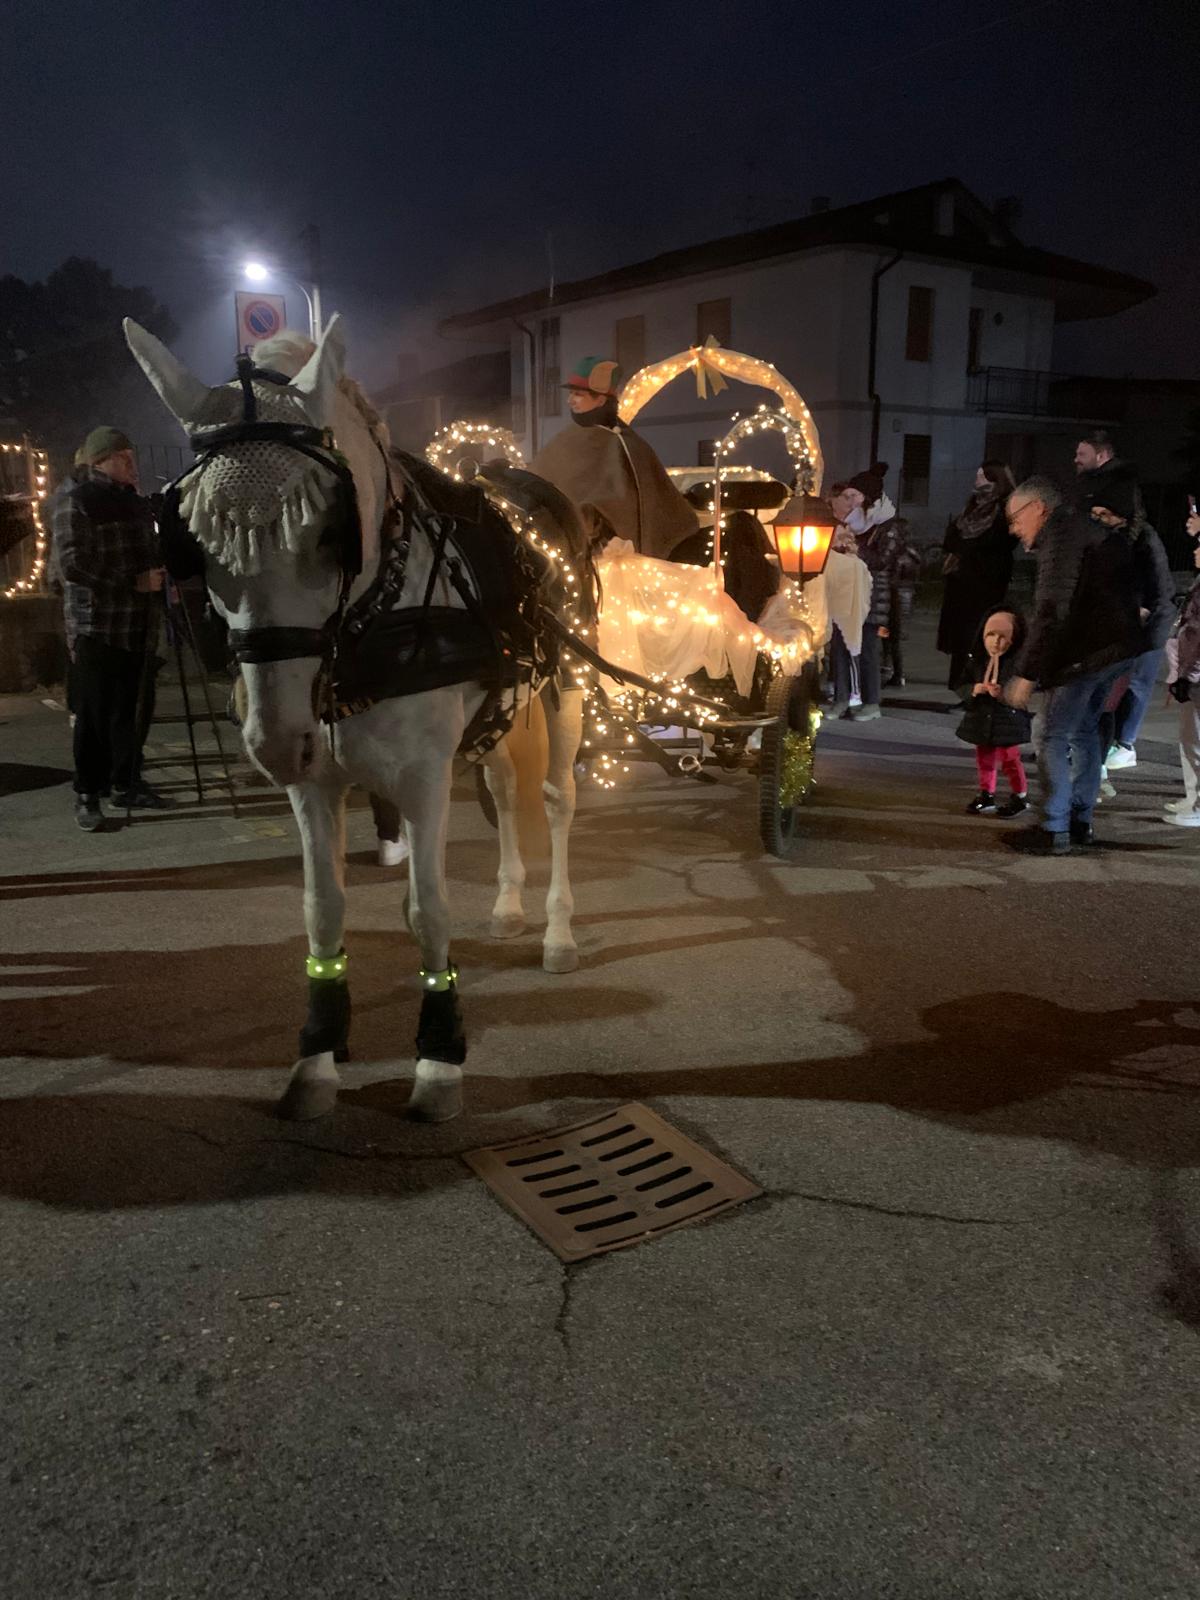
712	365
479	441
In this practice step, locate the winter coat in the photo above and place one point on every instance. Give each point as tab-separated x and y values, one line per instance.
1085	614
987	720
1155	586
887	550
1183	647
104	536
979	583
615	470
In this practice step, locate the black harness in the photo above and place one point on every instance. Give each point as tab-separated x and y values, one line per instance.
370	651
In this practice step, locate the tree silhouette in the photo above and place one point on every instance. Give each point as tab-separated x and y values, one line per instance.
64	364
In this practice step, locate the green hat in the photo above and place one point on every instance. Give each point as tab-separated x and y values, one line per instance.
100	443
596	374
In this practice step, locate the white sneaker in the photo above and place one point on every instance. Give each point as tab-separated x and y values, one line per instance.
1121	755
1180	805
393	852
1183	819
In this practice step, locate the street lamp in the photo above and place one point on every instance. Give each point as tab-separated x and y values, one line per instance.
803	532
258	272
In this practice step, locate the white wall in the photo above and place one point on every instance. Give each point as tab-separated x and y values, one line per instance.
1024	337
810	315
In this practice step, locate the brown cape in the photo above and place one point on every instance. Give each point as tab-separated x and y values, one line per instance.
617	472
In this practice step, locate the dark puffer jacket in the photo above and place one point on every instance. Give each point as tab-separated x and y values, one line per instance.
1155	585
1085	614
894	563
986	720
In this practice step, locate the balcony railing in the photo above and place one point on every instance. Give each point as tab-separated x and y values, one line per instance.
1018	390
1026	392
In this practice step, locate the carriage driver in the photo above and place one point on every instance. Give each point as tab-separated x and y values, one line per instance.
601	461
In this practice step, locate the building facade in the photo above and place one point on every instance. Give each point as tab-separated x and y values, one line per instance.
888	317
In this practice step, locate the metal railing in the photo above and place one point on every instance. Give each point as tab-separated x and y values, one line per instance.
1020	391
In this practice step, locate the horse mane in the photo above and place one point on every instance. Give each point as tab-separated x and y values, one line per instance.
287	352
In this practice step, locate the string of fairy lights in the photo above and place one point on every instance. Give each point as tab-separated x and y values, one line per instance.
613	711
711	359
38	467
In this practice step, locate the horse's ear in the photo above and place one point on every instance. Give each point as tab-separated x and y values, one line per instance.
318	379
184	396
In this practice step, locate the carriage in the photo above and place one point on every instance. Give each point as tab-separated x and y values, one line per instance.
708	681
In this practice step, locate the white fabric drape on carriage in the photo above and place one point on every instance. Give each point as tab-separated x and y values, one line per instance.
665	619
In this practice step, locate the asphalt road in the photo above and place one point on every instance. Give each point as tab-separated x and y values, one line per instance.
953	1351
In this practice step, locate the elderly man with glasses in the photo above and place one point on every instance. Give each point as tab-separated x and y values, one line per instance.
1083	636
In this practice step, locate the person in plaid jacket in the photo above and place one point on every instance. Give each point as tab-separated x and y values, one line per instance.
106	556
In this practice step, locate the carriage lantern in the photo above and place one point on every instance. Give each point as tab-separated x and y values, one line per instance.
803	533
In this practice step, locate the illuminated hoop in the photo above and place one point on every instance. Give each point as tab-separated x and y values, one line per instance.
38	468
761	421
459	440
644	385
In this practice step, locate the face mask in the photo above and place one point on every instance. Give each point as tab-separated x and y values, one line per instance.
857	520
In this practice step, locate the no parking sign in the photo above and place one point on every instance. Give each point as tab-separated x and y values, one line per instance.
259	316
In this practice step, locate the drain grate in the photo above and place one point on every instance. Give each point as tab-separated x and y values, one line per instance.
609	1182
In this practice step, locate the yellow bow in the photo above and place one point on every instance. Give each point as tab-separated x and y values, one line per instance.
708	373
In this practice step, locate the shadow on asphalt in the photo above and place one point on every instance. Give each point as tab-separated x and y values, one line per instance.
18	777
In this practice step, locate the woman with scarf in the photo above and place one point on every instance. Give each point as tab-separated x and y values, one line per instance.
870	528
978	565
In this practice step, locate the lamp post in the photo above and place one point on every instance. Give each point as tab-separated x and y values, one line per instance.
803	532
259	272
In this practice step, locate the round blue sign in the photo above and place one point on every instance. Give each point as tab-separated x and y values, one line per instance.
262	319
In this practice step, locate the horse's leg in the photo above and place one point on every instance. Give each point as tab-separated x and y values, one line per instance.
441	1045
500	775
564	727
312	1088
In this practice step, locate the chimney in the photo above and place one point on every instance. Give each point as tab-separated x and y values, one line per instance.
943	223
818	203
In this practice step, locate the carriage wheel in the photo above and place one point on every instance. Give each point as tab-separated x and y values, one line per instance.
785	770
484	795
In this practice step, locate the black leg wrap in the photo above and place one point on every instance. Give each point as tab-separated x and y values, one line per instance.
440	1034
328	1024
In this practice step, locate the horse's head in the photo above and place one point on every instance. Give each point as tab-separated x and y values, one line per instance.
290	483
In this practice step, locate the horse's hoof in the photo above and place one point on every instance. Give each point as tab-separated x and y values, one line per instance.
304	1101
507	927
560	958
437	1094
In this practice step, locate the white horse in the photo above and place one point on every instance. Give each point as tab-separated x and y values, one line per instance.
269	519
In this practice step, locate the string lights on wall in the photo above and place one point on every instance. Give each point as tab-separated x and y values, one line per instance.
38	467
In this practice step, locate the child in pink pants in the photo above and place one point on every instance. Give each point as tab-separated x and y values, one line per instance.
996	729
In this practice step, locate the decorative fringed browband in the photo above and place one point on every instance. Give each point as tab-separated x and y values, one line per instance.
326	966
439	982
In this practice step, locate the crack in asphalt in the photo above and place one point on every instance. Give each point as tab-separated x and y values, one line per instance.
895	1211
274	1140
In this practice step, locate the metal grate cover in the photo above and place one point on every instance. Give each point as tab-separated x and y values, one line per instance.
609	1182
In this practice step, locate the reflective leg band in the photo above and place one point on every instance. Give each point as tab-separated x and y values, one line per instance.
326	966
439	981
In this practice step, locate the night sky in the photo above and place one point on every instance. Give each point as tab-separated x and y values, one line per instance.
450	153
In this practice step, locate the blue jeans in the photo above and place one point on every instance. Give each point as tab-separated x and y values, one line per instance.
1069	754
1135	702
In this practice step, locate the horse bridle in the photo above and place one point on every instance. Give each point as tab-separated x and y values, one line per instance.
260	646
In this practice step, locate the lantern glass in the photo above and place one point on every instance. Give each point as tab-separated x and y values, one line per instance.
803	533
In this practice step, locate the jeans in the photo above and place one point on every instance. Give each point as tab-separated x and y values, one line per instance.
861	672
1069	752
1135	702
